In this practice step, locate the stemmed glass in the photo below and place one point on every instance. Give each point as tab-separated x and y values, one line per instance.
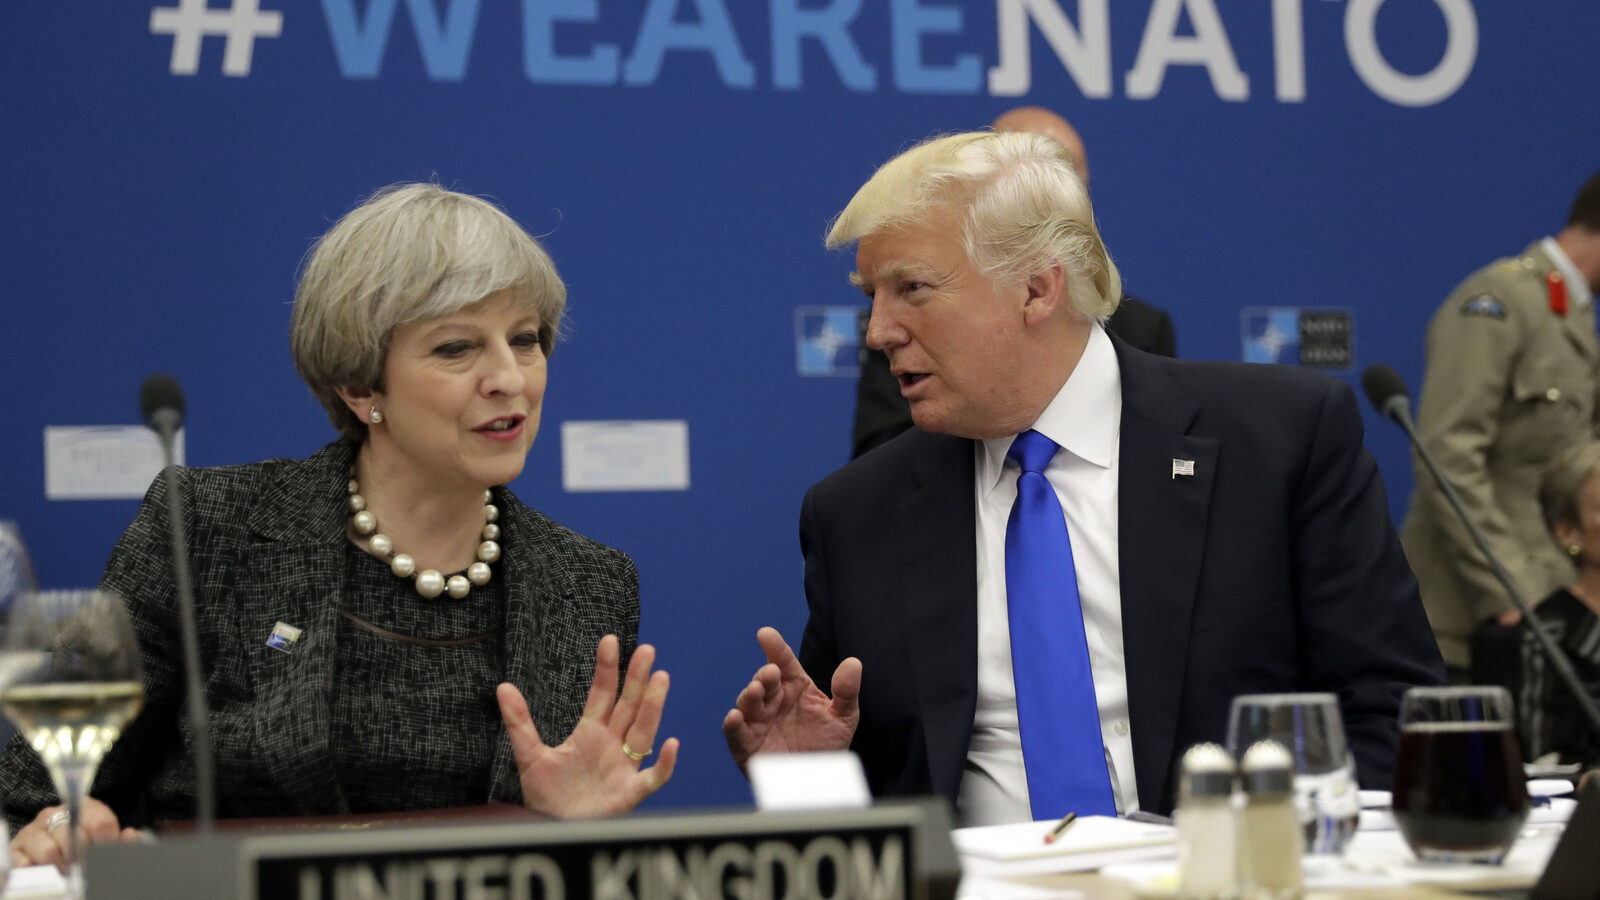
1309	726
72	681
16	580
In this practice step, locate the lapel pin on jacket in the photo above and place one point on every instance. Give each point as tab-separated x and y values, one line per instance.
1183	467
283	637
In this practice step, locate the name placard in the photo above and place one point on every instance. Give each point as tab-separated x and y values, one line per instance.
889	852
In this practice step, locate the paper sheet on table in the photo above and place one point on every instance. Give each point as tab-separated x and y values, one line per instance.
1091	842
1553	812
34	883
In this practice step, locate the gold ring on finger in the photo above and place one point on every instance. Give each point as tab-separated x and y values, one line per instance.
635	755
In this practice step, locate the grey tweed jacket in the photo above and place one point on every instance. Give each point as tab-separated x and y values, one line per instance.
267	544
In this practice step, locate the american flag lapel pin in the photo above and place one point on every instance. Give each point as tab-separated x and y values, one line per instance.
283	637
1184	467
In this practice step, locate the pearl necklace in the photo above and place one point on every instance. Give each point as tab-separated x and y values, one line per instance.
429	582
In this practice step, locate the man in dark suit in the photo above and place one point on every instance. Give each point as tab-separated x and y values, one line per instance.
1225	532
881	413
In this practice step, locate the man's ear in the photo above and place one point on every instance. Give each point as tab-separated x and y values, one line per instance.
1046	294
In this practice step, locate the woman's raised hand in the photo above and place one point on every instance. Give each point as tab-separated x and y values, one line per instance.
597	770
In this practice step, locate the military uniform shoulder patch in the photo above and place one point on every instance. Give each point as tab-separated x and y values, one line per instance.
1484	305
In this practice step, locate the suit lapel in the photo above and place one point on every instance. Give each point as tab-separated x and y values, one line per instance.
1161	538
296	574
938	559
534	590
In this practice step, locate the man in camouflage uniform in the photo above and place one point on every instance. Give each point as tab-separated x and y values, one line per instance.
1513	368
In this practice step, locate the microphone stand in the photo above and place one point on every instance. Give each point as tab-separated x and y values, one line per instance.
164	422
1398	409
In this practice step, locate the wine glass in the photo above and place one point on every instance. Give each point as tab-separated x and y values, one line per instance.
72	682
16	580
1308	725
1460	794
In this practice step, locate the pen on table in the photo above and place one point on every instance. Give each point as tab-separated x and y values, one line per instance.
1061	828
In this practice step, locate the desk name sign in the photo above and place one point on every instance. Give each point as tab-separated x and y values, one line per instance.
889	852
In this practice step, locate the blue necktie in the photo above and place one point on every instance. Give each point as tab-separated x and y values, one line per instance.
1056	711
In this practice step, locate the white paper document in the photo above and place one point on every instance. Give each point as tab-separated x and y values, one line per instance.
1089	843
625	455
105	462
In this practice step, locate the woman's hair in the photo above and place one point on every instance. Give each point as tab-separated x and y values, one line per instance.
1563	481
1025	210
409	252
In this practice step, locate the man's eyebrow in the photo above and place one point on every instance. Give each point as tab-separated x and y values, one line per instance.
891	270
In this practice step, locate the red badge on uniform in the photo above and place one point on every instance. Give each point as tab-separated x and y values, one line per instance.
1558	292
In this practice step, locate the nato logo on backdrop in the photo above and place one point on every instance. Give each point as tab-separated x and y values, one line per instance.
1296	336
826	340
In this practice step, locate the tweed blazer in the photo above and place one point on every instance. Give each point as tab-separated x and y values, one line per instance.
267	544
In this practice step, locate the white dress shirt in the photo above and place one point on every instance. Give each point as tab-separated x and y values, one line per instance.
1085	420
1577	287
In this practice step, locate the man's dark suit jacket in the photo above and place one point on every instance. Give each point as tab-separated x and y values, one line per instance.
267	544
881	413
1274	567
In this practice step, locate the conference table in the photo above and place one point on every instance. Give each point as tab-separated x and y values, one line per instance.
1376	864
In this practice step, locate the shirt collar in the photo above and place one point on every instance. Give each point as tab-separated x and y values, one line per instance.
1084	418
1577	287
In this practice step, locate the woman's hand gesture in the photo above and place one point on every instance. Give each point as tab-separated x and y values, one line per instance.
596	771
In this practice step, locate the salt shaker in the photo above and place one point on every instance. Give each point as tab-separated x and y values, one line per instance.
1205	820
1271	840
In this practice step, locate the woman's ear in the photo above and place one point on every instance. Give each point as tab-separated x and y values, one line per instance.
360	401
1567	534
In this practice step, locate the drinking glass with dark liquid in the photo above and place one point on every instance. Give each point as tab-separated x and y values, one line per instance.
1460	794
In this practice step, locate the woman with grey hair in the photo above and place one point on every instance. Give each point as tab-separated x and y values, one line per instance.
383	625
1569	496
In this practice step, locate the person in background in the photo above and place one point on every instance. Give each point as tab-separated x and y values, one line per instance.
1513	366
1549	720
423	322
1040	597
881	412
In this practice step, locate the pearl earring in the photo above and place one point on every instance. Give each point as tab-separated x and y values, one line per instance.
375	416
1573	550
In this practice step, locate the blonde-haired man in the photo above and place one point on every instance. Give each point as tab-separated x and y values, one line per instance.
881	414
1204	529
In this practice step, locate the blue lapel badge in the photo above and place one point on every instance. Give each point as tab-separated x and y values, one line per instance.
283	637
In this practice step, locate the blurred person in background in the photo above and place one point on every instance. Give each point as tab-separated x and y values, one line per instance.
1513	366
423	322
1549	719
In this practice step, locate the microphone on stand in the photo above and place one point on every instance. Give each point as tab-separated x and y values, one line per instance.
161	402
1387	392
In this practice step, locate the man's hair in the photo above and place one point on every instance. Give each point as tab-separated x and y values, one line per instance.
1586	206
1025	210
409	252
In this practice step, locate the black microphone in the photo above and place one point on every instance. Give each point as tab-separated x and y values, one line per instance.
161	402
1387	391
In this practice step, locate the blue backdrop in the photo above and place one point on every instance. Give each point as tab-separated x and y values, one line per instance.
167	165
